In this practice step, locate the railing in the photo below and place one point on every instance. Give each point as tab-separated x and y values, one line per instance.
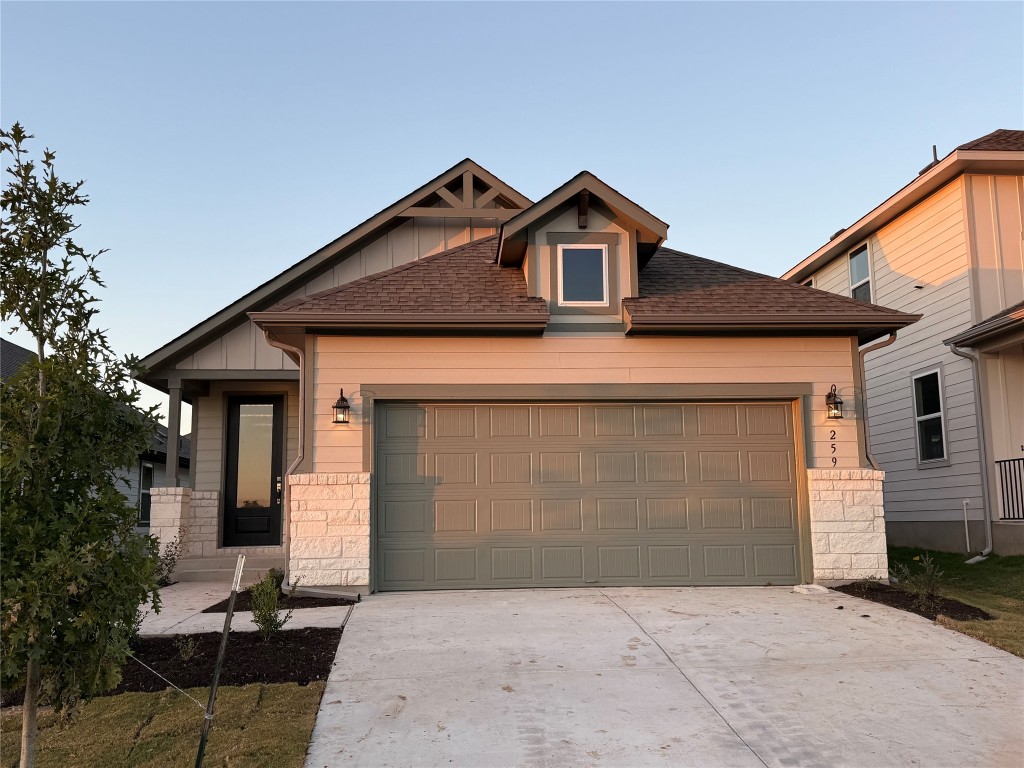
1011	488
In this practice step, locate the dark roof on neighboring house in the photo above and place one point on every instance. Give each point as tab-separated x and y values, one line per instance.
158	446
12	357
1009	320
460	286
1001	140
679	293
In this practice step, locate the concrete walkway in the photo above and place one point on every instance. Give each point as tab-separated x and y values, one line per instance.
182	605
667	677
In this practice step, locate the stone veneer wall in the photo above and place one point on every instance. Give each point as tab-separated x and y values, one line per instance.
329	529
847	524
195	514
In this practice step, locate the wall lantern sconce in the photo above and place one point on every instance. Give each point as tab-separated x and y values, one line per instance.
834	403
342	409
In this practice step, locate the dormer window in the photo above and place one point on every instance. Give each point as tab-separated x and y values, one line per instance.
583	275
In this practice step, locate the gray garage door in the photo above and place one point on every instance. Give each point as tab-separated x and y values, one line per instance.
524	495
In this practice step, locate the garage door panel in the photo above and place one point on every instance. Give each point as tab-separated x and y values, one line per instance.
492	495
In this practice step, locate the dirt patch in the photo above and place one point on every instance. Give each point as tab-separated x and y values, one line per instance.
291	656
243	602
895	598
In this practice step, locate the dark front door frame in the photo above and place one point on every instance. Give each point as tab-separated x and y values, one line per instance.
232	533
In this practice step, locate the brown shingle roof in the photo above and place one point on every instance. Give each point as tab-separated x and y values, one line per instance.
676	290
463	280
681	283
1001	140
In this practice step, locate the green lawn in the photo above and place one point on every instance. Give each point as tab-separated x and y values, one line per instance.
255	725
995	585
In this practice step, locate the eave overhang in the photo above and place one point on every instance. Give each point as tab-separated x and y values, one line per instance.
512	238
390	322
761	325
955	164
992	330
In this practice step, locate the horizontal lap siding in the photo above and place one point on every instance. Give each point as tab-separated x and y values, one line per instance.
357	362
925	247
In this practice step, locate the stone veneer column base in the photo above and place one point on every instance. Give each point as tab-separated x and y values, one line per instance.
847	524
329	529
169	510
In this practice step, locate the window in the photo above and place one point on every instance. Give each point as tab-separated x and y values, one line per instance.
931	440
809	282
145	483
860	274
583	275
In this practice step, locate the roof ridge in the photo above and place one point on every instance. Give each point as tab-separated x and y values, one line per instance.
339	289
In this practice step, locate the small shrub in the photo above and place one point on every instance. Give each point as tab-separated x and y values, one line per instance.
169	556
922	583
266	606
136	627
186	646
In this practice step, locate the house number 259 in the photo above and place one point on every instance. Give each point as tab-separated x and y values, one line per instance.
832	436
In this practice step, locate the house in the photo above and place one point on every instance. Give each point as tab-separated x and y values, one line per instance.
136	481
471	389
944	399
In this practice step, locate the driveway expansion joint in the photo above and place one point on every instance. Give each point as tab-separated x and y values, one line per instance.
687	678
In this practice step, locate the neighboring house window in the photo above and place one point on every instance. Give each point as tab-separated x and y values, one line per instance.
860	274
928	412
583	275
145	483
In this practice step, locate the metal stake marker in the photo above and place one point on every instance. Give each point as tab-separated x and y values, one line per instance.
208	719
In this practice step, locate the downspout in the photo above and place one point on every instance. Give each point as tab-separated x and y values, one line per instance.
286	497
864	399
982	449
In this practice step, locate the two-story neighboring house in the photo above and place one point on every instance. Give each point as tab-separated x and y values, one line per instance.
946	398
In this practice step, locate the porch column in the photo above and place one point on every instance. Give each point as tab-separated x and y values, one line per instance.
173	433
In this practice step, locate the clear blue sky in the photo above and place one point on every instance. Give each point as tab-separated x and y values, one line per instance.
221	142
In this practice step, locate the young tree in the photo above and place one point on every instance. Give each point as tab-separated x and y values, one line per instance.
73	572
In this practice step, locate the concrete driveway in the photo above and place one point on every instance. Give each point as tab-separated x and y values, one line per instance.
669	677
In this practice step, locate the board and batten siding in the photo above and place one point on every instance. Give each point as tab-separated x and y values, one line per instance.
211	420
359	363
995	211
926	247
245	348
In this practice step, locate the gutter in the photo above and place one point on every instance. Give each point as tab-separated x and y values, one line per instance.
287	491
864	404
982	449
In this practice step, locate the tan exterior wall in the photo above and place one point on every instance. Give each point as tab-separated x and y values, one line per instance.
212	424
920	264
359	363
995	212
244	347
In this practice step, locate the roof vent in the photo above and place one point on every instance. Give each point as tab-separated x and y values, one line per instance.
933	163
836	234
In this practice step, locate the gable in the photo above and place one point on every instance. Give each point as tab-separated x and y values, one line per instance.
463	204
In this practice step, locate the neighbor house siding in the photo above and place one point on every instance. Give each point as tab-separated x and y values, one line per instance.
919	264
212	422
359	363
244	347
995	211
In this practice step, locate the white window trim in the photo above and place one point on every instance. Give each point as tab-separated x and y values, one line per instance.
918	419
809	282
604	260
866	245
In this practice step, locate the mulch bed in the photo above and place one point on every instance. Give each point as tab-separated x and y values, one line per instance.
243	602
877	592
290	656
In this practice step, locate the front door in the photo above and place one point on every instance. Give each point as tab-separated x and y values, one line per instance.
252	492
